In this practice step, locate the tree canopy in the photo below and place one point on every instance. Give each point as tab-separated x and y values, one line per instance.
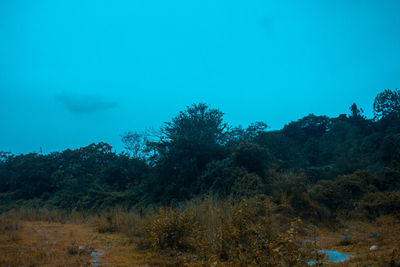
387	103
319	165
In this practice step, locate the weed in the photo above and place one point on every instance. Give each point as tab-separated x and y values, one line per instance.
73	249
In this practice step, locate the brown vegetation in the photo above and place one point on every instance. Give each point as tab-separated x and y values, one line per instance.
249	232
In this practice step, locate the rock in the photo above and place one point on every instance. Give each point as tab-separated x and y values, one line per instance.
373	248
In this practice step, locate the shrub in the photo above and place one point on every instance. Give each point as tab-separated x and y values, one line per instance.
381	203
111	221
244	233
247	185
172	229
210	232
287	250
241	236
346	191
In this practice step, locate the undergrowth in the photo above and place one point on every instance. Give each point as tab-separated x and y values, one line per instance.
212	232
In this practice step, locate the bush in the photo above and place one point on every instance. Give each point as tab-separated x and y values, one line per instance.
346	191
381	203
249	236
111	221
228	232
243	232
172	229
211	232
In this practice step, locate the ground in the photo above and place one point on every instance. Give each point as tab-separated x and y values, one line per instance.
357	237
56	244
40	243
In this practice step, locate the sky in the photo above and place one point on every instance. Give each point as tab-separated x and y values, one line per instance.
73	72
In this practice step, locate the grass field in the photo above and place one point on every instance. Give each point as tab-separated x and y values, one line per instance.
44	243
40	243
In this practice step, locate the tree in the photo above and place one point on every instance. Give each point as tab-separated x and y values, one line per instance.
310	126
252	157
238	135
387	103
186	145
198	122
29	176
355	112
135	144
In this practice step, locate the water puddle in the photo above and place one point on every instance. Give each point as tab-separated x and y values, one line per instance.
333	256
96	260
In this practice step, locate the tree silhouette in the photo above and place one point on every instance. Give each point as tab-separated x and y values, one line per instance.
186	145
387	103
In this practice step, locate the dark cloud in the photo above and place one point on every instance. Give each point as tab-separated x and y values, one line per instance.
77	103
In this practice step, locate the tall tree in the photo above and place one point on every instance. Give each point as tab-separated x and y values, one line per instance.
135	144
187	144
387	103
355	112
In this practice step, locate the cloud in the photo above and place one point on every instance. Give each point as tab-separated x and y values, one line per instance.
78	104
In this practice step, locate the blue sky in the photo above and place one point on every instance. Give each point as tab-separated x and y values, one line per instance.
76	72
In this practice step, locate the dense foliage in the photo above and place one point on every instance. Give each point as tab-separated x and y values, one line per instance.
316	167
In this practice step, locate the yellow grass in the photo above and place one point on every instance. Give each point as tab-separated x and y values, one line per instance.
44	243
388	242
41	243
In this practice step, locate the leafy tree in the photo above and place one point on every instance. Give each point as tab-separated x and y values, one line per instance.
355	112
187	144
387	103
238	135
124	173
310	126
134	143
29	176
390	149
283	149
252	157
346	191
4	170
219	177
341	146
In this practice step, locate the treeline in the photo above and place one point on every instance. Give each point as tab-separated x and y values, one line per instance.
316	167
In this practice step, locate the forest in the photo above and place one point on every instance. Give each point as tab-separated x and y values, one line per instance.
318	170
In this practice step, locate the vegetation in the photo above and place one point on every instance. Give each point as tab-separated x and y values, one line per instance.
210	193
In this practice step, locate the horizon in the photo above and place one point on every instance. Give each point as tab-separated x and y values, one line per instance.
122	149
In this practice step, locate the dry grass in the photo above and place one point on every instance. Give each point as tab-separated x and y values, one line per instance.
388	242
203	233
42	243
216	233
251	233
